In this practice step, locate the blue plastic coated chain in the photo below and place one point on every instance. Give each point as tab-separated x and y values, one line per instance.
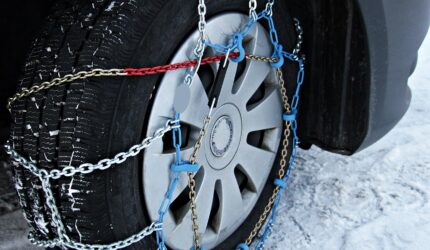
290	117
177	167
237	41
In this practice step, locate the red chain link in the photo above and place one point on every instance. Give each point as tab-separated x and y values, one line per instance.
175	66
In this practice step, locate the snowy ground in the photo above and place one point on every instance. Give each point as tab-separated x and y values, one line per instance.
376	199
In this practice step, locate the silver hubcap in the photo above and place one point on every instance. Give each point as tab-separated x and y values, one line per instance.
239	148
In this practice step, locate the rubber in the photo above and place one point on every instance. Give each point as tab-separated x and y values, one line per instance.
95	118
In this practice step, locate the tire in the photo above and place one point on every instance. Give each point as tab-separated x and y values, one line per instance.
96	118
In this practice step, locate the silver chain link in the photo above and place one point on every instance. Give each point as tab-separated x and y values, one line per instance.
269	7
200	45
113	246
201	9
252	4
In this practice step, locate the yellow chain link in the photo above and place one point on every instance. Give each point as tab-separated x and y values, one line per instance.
61	80
282	163
192	184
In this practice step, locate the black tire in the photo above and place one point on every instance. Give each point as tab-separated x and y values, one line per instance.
98	117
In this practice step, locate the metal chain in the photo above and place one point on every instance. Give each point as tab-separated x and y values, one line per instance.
299	32
77	245
60	80
201	9
269	7
267	59
200	45
283	161
192	182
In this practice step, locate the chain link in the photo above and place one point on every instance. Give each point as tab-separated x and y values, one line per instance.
192	183
154	227
262	58
201	9
253	9
299	32
269	7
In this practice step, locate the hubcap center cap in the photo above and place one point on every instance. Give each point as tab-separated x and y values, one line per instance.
221	136
224	135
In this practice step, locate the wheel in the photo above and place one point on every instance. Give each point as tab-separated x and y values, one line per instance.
96	118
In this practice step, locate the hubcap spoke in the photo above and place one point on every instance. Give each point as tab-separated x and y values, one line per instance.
255	72
252	161
227	85
160	167
253	76
230	202
204	201
268	111
198	106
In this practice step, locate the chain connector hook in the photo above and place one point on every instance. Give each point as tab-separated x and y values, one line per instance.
238	41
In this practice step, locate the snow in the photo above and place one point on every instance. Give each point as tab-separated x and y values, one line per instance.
110	7
376	199
14	232
54	132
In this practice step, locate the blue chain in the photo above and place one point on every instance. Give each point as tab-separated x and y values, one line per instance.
177	167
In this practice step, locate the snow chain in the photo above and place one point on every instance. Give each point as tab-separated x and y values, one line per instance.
266	219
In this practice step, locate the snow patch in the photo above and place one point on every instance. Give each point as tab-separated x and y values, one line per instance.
77	231
54	132
70	192
110	7
41	224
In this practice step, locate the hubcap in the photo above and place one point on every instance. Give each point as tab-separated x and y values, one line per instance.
224	138
238	150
